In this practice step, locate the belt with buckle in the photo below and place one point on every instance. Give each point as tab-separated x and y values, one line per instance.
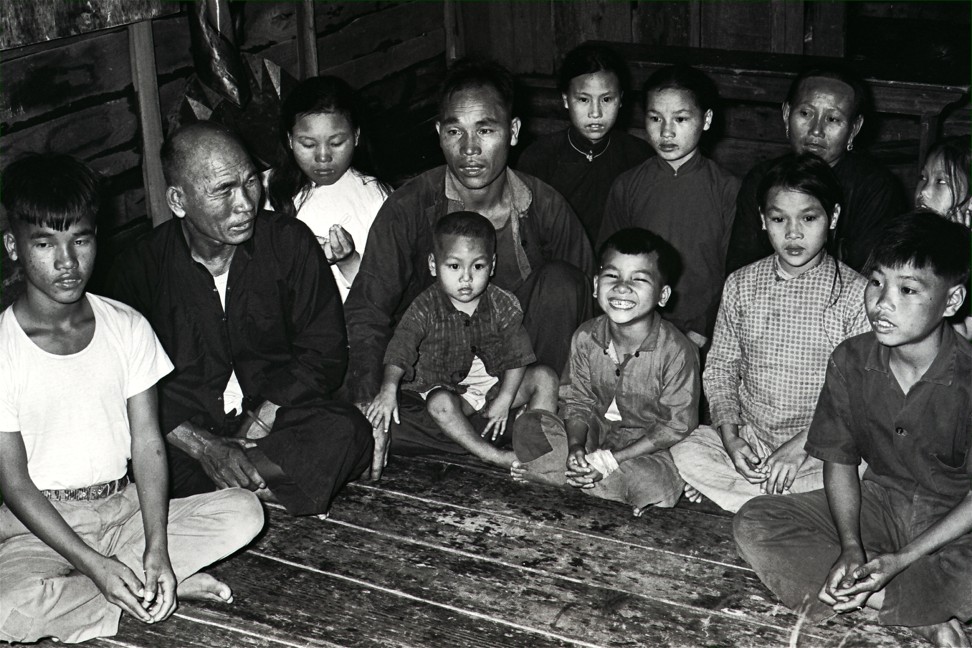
95	492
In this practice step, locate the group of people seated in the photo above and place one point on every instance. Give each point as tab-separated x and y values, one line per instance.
286	331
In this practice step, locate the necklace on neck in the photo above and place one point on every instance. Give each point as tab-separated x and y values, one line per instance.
589	154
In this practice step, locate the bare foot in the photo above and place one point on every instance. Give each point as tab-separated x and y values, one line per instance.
518	472
203	587
948	634
501	458
691	494
638	511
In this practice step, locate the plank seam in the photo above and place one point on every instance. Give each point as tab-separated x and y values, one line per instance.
583	534
412	597
255	635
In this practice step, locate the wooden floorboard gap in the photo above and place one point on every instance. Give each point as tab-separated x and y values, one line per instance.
583	534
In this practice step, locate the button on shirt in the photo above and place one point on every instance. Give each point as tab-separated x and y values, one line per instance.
435	342
656	388
916	444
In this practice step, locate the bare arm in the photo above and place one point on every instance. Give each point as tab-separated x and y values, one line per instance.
116	581
843	488
152	482
381	411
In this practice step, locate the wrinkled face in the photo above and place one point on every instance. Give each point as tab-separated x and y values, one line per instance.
675	124
629	287
219	193
57	265
463	267
475	135
821	119
593	102
905	305
797	226
323	145
934	190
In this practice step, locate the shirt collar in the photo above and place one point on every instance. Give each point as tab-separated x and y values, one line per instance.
601	334
942	369
521	196
783	275
584	147
691	166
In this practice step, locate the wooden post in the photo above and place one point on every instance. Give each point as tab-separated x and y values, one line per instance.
141	49
695	23
451	19
307	63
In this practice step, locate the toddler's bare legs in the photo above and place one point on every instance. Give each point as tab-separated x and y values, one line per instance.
446	410
539	389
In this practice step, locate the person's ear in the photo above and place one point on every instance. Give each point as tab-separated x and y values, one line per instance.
956	297
492	266
438	127
290	141
595	286
357	136
432	263
666	294
514	131
175	199
707	120
563	95
833	219
10	244
762	219
786	115
855	129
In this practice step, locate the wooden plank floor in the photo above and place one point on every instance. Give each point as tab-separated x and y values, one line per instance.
446	553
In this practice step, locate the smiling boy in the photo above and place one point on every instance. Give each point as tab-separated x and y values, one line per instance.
900	539
630	390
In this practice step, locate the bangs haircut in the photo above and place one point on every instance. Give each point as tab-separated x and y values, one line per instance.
475	72
923	239
467	224
590	59
50	190
807	174
954	152
687	78
637	240
861	101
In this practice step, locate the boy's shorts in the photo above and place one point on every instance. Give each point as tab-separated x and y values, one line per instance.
477	382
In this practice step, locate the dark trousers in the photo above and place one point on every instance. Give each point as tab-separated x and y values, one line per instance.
791	542
318	449
555	299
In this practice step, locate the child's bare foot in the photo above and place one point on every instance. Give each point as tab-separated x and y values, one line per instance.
948	634
203	587
638	511
692	495
501	458
518	472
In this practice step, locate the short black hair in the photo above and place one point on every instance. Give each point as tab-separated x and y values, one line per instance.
589	59
477	72
805	173
52	190
923	239
862	100
468	224
687	78
637	240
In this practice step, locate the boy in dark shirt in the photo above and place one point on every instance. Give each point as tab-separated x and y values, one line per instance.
900	397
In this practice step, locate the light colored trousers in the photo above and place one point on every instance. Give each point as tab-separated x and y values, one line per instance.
704	464
42	595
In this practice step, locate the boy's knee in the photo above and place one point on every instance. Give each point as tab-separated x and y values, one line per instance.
441	403
245	511
545	377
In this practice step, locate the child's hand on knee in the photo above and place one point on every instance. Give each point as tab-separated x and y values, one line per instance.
580	473
497	413
383	410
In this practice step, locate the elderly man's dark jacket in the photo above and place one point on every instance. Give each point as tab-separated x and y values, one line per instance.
283	329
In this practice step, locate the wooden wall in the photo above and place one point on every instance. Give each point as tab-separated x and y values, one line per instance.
75	95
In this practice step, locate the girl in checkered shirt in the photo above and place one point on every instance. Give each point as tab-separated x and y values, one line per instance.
779	320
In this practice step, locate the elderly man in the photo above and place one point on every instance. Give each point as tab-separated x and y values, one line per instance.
246	307
542	253
823	114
